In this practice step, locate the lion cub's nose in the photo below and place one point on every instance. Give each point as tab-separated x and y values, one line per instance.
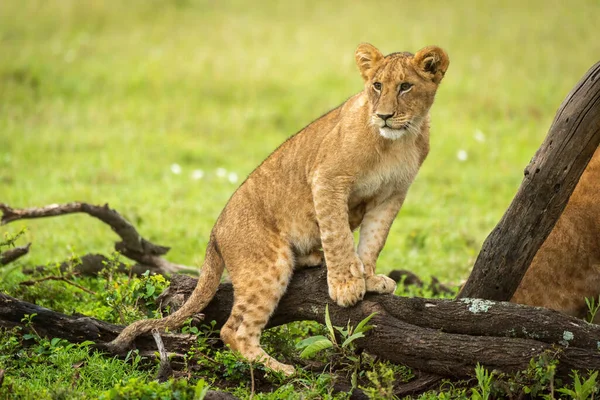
385	116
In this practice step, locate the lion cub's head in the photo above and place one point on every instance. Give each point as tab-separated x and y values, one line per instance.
401	86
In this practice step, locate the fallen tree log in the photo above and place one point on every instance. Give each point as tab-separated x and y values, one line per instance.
439	336
443	337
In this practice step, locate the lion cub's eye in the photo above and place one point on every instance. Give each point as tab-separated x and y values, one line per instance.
404	86
377	86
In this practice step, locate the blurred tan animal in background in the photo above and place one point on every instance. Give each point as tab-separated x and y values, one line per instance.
566	269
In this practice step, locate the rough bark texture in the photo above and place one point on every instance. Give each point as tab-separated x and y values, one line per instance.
11	255
417	332
549	181
439	336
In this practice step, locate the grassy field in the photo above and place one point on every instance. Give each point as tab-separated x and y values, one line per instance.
161	108
100	99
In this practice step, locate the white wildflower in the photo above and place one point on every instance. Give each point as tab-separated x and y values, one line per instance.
197	174
232	177
221	172
479	136
462	155
176	169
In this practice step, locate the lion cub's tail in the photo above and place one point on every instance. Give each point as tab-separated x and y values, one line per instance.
205	290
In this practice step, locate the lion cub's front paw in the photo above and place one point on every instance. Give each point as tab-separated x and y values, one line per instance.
287	370
380	284
346	291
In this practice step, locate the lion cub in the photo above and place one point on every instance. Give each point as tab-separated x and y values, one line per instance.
352	167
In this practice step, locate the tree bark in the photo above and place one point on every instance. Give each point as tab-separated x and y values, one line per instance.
442	337
549	180
11	255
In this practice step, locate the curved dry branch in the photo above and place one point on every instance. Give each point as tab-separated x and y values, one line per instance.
132	244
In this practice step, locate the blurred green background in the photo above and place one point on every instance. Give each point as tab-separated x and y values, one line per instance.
162	108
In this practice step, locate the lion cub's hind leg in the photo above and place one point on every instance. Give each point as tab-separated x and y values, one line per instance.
312	259
259	281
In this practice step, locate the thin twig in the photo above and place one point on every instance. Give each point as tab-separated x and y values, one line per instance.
252	381
57	278
208	358
165	371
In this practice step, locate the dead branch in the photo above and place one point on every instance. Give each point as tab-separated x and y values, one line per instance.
549	180
132	245
11	255
165	371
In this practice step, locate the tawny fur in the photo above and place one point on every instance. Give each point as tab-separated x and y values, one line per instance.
347	169
566	268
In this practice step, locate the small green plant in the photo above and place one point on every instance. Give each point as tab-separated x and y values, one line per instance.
189	328
135	389
44	368
134	357
316	344
10	239
345	347
540	374
233	366
484	383
537	381
281	341
582	390
10	346
593	306
123	297
381	379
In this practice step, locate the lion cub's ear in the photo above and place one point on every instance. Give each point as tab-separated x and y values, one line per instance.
431	62
367	58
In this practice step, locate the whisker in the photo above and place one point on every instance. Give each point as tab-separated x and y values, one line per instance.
414	128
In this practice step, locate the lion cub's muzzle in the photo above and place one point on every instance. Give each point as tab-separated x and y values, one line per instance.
391	121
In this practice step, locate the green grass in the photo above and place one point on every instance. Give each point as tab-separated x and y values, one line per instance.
57	369
98	99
